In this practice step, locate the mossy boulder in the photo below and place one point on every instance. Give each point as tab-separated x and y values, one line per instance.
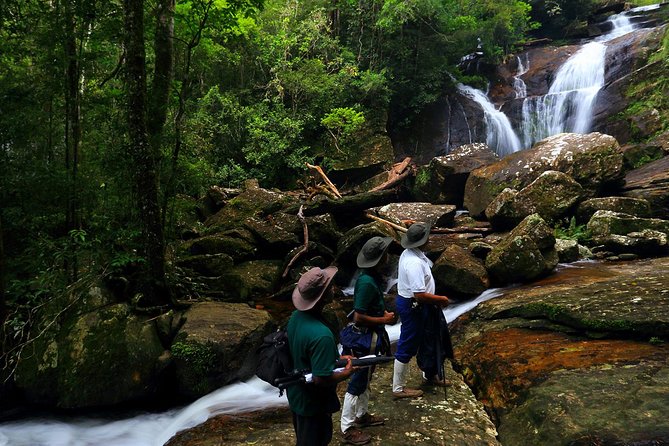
567	250
624	205
460	271
206	264
606	223
526	253
217	345
594	160
252	202
238	244
91	357
552	195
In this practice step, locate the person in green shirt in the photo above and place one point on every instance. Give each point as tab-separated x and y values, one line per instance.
313	347
369	315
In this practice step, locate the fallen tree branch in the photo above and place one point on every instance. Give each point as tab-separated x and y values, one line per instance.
396	174
389	223
329	183
349	204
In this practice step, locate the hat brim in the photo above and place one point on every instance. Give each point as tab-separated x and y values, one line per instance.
407	244
364	262
303	304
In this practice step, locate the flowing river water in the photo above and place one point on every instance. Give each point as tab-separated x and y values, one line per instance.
157	429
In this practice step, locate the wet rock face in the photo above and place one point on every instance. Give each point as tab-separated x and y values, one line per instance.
580	354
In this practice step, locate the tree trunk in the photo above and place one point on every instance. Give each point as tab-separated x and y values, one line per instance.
72	131
162	78
143	158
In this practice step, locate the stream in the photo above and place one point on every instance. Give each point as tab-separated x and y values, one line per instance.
157	429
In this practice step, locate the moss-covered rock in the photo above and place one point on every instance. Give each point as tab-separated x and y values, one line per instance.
526	253
625	205
460	271
440	215
594	160
85	358
216	346
443	180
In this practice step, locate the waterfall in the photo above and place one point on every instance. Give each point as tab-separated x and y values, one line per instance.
568	105
500	136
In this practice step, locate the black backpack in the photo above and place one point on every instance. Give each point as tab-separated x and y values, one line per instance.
274	361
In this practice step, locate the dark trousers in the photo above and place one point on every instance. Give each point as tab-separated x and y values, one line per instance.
315	430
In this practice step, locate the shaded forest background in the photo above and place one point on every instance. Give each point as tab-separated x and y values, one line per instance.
115	115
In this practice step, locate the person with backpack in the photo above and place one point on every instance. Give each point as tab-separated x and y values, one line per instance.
415	304
366	335
313	347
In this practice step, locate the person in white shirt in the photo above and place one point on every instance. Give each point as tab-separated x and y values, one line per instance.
415	298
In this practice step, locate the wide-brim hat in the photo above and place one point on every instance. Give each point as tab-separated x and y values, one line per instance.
372	251
416	235
311	286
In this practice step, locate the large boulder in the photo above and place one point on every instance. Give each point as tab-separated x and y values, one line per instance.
526	253
245	282
91	352
594	160
605	223
443	179
460	271
552	195
216	346
440	215
577	358
238	244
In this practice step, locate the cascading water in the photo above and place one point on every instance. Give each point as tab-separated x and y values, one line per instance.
519	86
571	97
500	136
568	105
157	429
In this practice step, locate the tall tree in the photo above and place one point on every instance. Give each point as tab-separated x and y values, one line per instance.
162	76
143	157
72	127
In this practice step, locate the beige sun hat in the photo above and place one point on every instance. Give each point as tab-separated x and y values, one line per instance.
311	286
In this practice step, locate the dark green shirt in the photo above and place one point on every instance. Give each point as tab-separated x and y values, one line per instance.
367	296
313	347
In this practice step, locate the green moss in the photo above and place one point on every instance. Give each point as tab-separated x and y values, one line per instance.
422	178
198	356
